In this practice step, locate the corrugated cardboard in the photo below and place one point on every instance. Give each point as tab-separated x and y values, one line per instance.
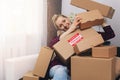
88	43
91	18
104	51
117	66
65	49
30	76
43	61
106	11
88	68
90	39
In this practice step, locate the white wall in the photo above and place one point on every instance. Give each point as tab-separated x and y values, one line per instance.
67	9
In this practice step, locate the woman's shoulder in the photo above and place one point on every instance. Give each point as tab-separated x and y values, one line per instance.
53	41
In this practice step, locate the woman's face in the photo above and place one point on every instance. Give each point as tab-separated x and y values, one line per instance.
63	23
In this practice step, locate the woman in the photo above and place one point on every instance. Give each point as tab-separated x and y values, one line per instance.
59	71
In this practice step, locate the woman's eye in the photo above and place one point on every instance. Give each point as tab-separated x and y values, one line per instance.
63	20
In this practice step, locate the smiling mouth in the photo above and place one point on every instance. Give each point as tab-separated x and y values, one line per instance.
66	28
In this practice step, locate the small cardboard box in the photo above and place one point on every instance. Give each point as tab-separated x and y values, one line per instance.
104	51
89	68
106	11
91	18
65	47
43	61
30	76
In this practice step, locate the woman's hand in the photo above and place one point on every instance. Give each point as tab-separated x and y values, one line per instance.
76	21
104	23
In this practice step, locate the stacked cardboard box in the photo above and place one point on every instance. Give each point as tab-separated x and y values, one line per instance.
117	66
104	51
41	66
101	65
89	68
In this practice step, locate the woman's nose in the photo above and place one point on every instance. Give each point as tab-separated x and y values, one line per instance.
65	24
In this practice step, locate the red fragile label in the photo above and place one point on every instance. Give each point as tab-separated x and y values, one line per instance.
75	39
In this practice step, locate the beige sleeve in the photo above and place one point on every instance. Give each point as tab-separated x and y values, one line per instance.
59	32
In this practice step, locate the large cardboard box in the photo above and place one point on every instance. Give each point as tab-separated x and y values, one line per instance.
104	51
65	47
117	66
88	68
43	61
30	76
91	18
106	11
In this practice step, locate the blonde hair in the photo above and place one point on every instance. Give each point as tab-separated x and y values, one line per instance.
54	19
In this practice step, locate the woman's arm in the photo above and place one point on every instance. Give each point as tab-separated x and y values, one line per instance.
108	32
71	29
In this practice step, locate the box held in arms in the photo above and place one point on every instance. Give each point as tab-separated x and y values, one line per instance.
90	39
85	38
90	19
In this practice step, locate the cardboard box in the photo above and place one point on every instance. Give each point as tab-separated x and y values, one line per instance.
88	43
90	39
117	66
30	76
104	51
64	47
91	18
88	68
106	11
43	61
